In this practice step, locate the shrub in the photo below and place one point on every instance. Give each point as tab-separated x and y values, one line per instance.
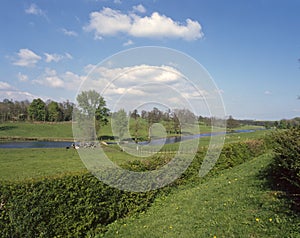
71	206
286	164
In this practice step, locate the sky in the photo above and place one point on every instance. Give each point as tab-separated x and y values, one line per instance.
251	49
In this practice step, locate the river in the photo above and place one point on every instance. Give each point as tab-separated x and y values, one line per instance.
64	144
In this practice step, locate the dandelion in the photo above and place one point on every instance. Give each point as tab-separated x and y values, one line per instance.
171	227
270	219
215	236
257	219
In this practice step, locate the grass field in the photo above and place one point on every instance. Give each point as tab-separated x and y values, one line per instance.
237	203
19	164
24	130
22	164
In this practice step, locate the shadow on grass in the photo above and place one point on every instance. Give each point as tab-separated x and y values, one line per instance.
284	189
6	128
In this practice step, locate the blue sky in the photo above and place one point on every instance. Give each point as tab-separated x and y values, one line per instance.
250	48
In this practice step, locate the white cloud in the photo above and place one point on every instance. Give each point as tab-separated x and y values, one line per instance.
117	1
128	43
67	80
139	8
56	57
69	32
26	58
9	92
50	79
4	85
109	22
129	87
22	77
34	10
52	57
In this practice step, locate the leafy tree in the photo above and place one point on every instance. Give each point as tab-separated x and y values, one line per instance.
92	107
120	122
37	110
67	110
54	112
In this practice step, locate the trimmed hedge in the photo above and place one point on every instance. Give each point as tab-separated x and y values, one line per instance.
81	205
71	206
286	163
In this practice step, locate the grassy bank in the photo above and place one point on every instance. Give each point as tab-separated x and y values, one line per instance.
237	203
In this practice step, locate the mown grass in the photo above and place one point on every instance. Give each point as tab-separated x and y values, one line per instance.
19	164
237	203
26	130
22	164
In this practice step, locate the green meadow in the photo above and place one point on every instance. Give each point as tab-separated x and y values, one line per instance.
235	199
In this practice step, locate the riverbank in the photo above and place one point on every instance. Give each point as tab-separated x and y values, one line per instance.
19	138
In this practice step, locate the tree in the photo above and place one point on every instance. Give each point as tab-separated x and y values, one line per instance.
120	122
232	123
135	115
37	110
92	109
67	110
54	112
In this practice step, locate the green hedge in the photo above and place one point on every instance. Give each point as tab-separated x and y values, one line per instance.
286	163
71	206
81	205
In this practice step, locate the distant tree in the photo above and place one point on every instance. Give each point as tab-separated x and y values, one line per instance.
67	110
37	110
54	112
232	123
120	123
185	116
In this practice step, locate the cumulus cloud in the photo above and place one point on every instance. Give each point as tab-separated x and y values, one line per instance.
34	10
26	58
109	22
50	79
127	87
67	80
69	32
139	8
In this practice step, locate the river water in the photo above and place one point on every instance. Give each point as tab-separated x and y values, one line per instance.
64	144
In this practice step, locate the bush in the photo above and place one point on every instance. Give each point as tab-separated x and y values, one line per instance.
286	164
71	206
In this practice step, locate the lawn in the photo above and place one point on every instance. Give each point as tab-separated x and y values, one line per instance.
237	203
22	164
26	130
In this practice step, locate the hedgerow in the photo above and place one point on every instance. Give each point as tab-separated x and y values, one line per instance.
285	169
80	205
71	206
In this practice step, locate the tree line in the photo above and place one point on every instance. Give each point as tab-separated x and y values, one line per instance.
91	101
37	110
